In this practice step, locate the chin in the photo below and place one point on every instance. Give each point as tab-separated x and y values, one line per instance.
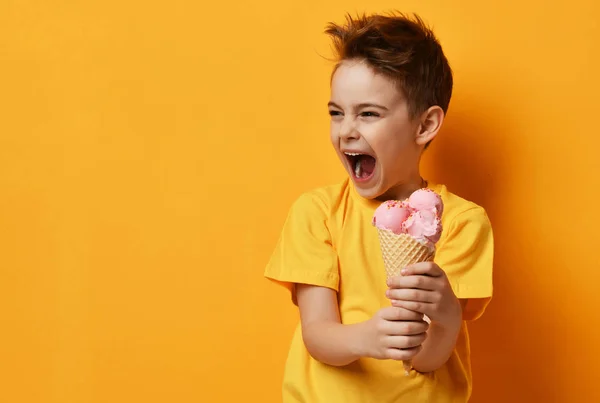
371	192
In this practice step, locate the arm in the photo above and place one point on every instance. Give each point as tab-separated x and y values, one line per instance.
393	333
424	288
441	340
326	339
467	255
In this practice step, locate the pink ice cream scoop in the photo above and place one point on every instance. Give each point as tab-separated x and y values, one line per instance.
426	199
391	215
419	216
424	226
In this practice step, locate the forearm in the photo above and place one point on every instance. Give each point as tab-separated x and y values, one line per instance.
333	343
437	348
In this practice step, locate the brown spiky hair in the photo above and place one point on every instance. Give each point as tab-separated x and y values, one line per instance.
404	49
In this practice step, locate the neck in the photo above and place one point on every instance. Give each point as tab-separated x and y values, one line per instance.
403	190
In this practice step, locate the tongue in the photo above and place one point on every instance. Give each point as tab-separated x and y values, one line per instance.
367	164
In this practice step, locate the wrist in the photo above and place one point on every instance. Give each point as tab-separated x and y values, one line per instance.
451	322
441	341
357	340
332	343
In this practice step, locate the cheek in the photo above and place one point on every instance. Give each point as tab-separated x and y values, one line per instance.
395	150
332	132
389	140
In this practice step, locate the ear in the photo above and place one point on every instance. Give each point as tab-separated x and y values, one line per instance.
430	123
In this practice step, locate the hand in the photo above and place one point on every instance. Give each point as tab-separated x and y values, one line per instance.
424	288
394	333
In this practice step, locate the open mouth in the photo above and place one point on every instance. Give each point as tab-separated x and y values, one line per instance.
363	165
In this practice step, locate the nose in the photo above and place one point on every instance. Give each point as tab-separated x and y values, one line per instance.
348	129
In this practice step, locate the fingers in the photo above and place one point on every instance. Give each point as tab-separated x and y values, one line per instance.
411	294
406	328
402	332
425	308
414	281
409	324
402	354
423	268
405	342
404	347
400	313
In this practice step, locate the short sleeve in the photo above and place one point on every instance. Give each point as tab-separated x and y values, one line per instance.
304	252
466	254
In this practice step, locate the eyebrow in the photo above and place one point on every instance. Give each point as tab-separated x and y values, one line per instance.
360	106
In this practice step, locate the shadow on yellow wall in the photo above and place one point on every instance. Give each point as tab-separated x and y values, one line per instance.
480	157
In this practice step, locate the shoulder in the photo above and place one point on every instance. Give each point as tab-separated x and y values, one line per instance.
320	201
458	210
466	225
466	250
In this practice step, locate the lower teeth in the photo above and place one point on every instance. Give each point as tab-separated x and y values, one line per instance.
357	169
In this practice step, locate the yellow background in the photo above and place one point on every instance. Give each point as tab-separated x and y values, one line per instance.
149	152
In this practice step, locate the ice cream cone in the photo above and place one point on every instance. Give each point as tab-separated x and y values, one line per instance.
408	231
399	251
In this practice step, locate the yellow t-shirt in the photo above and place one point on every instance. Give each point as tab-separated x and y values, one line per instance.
328	240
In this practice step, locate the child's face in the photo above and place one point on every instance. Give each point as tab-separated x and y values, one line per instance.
372	132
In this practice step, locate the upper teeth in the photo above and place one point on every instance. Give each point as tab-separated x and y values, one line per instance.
353	154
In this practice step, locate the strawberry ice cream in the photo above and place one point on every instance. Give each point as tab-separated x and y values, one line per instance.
426	199
424	226
391	215
419	217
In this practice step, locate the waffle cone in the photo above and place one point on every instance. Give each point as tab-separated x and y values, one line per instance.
399	251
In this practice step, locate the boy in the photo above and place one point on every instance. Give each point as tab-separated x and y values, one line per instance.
390	92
